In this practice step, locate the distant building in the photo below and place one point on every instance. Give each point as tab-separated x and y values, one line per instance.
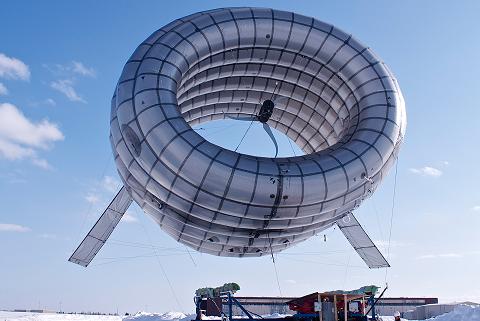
34	311
42	311
388	306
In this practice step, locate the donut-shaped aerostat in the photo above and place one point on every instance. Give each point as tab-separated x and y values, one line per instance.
332	96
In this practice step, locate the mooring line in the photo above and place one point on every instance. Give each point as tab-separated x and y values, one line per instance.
276	272
392	215
245	134
164	272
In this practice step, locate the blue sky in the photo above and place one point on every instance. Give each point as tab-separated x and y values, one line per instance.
59	63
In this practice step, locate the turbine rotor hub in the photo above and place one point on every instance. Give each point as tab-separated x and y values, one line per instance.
266	111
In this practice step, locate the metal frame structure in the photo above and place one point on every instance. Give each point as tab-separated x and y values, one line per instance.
346	298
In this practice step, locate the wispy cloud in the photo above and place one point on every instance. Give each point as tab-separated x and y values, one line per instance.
65	86
102	190
42	163
476	208
110	184
74	68
13	68
46	102
427	171
129	218
3	90
82	70
50	102
290	281
385	244
22	138
440	256
48	236
67	76
6	227
91	198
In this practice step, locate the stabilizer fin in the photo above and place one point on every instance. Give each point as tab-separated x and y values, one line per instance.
100	232
361	242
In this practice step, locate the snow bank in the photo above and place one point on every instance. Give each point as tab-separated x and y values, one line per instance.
462	312
169	316
179	316
276	315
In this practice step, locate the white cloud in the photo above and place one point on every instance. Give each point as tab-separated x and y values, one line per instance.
82	70
291	281
21	138
5	227
13	68
129	218
440	256
476	208
16	127
91	198
427	171
3	90
65	86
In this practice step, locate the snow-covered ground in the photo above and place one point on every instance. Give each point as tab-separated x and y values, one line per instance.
461	313
29	316
141	316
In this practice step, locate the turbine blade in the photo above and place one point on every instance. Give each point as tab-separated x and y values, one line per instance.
98	235
361	242
272	137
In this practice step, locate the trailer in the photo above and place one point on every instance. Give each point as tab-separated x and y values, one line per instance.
337	305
